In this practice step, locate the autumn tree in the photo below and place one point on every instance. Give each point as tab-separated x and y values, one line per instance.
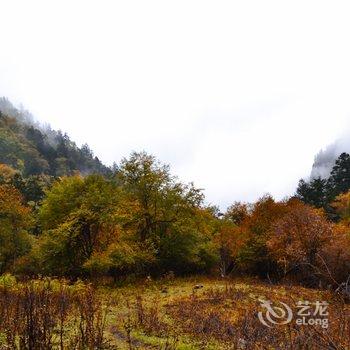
7	174
14	223
298	238
229	239
141	220
78	218
335	256
237	213
341	205
170	218
253	256
162	199
31	187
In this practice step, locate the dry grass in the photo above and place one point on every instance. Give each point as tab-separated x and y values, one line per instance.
224	316
50	314
166	314
230	317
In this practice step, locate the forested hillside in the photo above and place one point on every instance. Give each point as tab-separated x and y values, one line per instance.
63	213
32	149
325	159
322	192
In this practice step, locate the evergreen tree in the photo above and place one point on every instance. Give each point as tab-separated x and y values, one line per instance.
314	193
339	180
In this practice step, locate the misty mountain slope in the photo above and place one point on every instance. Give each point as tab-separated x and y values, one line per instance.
32	149
325	159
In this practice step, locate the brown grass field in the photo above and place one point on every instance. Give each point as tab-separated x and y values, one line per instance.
188	313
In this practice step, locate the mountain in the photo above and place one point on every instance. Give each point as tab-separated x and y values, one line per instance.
32	149
325	159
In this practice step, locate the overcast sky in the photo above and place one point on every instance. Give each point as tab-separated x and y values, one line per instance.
237	96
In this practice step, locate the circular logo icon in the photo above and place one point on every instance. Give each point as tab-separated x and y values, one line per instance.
275	315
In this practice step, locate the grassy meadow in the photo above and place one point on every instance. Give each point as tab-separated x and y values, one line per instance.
182	313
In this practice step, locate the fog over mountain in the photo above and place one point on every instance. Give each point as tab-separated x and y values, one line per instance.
237	97
33	149
325	159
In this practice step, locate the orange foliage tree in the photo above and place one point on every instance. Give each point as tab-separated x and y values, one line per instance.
14	222
255	228
298	239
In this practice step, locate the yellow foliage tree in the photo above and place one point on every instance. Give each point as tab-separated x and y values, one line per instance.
14	221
